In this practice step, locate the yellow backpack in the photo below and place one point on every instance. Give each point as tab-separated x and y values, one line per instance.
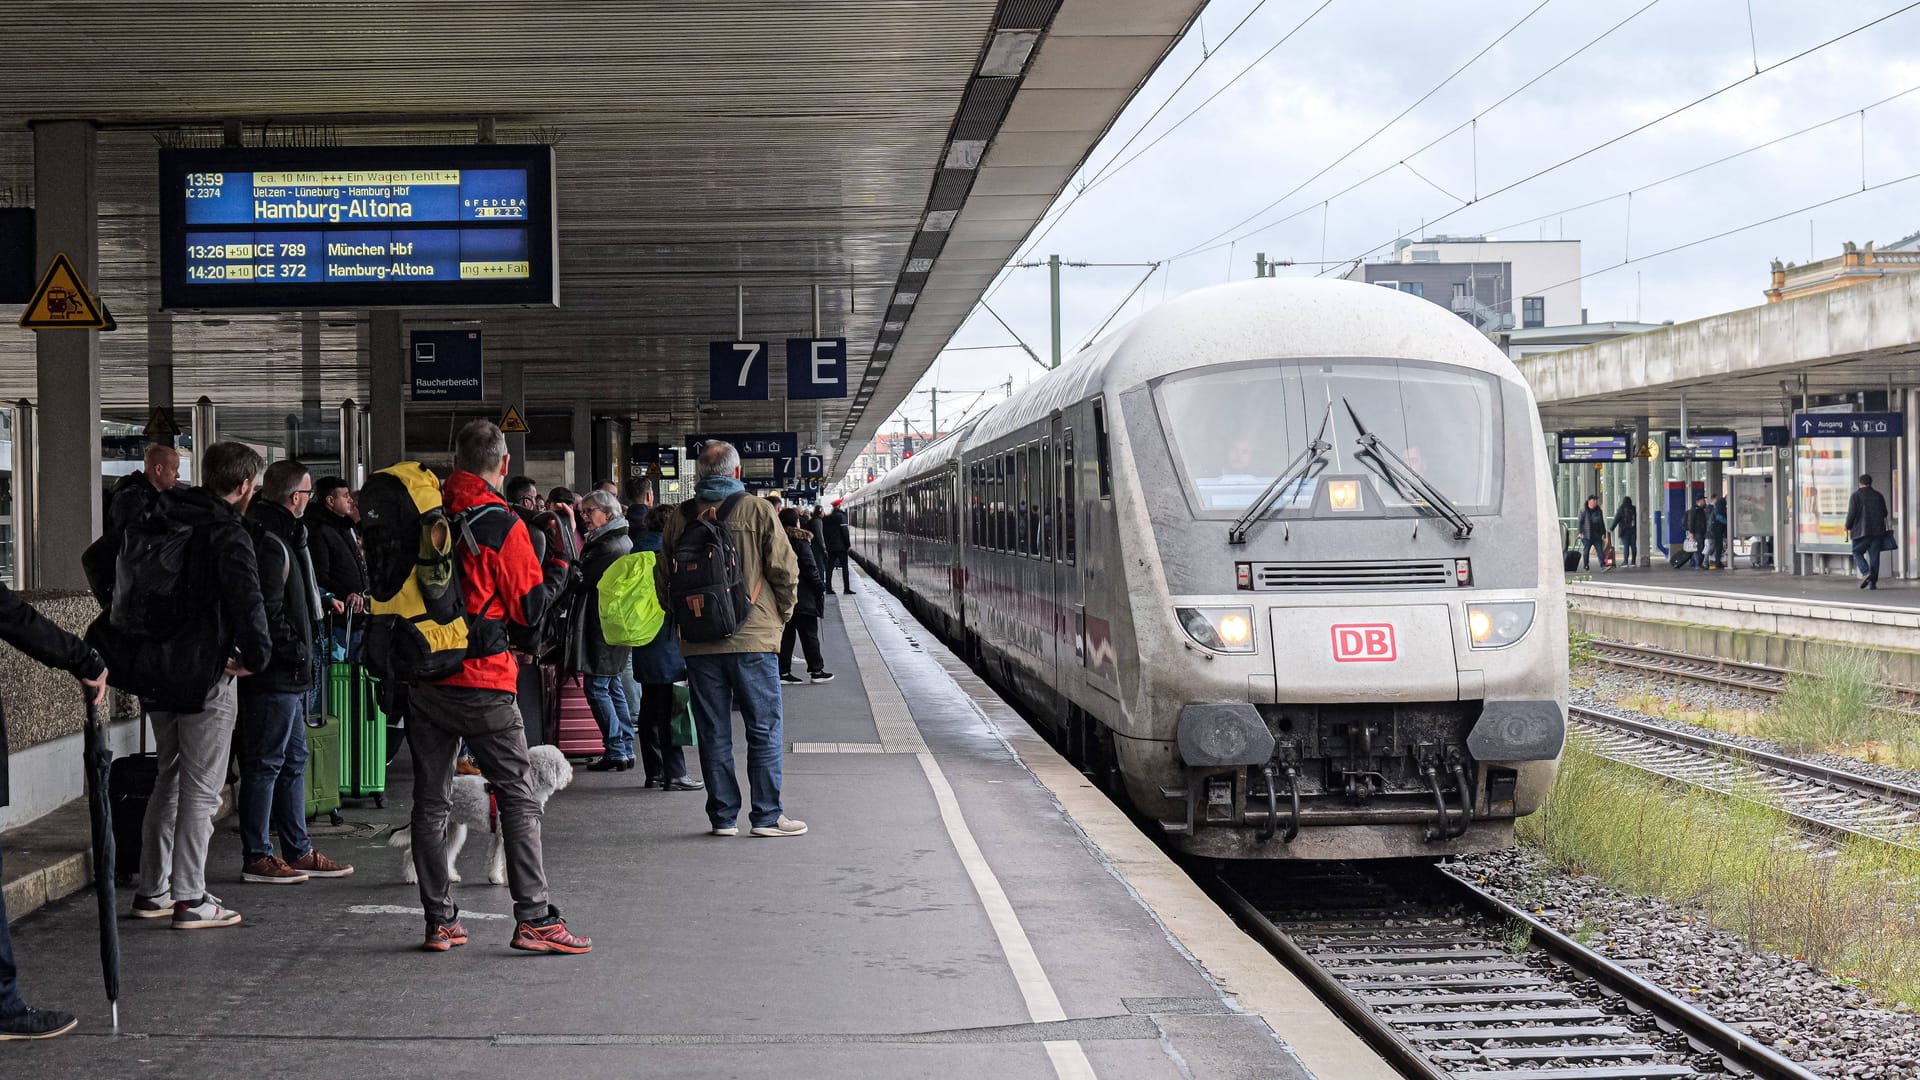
419	630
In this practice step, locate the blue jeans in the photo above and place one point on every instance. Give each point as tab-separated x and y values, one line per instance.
608	699
10	1003
272	744
1866	557
752	681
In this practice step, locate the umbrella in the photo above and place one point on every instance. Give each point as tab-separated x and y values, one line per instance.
98	759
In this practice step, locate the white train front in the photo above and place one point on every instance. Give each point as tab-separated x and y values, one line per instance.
1279	558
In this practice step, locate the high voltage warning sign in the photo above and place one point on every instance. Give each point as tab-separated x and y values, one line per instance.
61	302
512	424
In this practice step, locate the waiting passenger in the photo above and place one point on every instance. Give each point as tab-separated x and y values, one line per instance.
815	522
32	633
602	665
503	582
1626	524
524	496
657	665
638	499
136	491
607	486
272	737
839	544
809	604
1697	532
333	540
1593	534
191	746
1867	529
740	668
1717	528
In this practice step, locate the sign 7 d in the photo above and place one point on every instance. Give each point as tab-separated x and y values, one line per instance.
737	371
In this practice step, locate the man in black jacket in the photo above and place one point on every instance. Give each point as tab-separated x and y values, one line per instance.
1697	532
160	471
839	543
339	568
1867	528
192	745
273	701
30	632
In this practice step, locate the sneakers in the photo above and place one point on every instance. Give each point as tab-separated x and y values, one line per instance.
790	679
205	915
314	864
442	936
548	935
152	907
822	676
272	870
724	830
682	783
786	826
36	1024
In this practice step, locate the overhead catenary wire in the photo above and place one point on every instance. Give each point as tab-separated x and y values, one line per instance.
1210	243
1670	114
1117	308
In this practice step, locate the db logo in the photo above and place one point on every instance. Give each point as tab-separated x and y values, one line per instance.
1362	643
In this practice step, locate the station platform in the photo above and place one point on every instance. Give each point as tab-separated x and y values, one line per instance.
1753	616
965	904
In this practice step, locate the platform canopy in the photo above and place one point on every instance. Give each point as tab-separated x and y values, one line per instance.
894	155
1743	368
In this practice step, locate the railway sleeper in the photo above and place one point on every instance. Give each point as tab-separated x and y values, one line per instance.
1611	1051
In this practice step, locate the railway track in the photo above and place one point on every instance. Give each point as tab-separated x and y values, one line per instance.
1826	801
1709	671
1446	980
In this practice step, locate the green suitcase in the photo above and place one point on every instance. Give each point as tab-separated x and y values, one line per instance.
351	697
323	769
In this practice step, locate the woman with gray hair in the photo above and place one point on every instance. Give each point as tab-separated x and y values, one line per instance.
604	533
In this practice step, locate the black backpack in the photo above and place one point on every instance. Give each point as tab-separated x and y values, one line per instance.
710	600
150	580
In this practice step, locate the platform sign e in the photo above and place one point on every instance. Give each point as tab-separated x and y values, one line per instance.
816	368
737	371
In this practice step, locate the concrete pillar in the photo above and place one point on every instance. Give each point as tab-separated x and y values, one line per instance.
67	362
24	503
582	443
387	388
308	424
349	421
513	393
1907	451
1783	526
160	366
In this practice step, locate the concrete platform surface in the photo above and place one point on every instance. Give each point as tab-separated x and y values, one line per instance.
1893	593
964	905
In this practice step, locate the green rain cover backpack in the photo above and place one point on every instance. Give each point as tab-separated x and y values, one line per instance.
630	611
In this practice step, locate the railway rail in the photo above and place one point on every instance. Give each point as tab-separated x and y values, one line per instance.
1447	980
1709	671
1823	800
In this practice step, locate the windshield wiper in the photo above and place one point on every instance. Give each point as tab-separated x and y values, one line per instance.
1296	472
1404	477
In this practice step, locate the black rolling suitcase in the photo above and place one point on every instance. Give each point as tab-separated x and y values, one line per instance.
1681	557
130	783
1572	560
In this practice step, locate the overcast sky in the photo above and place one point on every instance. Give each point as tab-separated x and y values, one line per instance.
1353	66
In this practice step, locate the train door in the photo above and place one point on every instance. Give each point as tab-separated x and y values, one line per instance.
1067	597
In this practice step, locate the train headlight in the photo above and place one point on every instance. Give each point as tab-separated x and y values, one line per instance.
1228	630
1498	625
1344	495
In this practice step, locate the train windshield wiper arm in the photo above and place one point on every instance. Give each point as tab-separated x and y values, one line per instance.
1296	472
1405	477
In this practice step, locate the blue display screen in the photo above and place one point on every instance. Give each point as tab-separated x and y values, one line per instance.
357	227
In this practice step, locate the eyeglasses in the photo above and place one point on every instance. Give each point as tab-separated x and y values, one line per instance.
304	491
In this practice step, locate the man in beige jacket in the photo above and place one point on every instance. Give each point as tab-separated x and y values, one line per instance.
741	670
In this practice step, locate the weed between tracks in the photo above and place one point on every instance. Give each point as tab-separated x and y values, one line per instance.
1854	913
1841	705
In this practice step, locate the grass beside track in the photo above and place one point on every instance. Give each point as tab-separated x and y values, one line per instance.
1854	913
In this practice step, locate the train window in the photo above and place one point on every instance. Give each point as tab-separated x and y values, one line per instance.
1017	499
976	512
996	521
1036	490
1067	508
1100	452
1046	500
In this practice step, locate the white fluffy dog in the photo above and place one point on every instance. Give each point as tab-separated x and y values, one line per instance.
548	772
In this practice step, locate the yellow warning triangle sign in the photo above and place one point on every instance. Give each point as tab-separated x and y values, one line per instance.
512	424
160	424
62	302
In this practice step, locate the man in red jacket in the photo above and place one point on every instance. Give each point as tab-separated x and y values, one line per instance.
502	582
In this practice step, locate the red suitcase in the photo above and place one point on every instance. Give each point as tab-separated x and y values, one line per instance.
579	734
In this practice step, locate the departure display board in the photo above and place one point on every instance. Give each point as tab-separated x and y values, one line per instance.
356	227
1586	447
1707	446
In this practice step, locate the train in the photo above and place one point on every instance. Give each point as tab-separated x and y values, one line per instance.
1277	562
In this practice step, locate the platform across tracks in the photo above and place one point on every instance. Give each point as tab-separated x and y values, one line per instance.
965	905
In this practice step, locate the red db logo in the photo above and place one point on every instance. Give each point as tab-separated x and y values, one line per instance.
1364	643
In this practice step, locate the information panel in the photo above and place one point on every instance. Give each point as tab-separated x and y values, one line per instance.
1707	446
766	457
357	227
1595	446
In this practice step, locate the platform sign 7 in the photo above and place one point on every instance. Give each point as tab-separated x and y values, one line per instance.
737	371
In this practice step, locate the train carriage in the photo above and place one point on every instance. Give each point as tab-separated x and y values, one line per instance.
1279	559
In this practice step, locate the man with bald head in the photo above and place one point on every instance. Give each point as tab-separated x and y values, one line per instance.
160	471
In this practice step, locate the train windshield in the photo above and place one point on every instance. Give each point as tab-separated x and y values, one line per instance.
1234	430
